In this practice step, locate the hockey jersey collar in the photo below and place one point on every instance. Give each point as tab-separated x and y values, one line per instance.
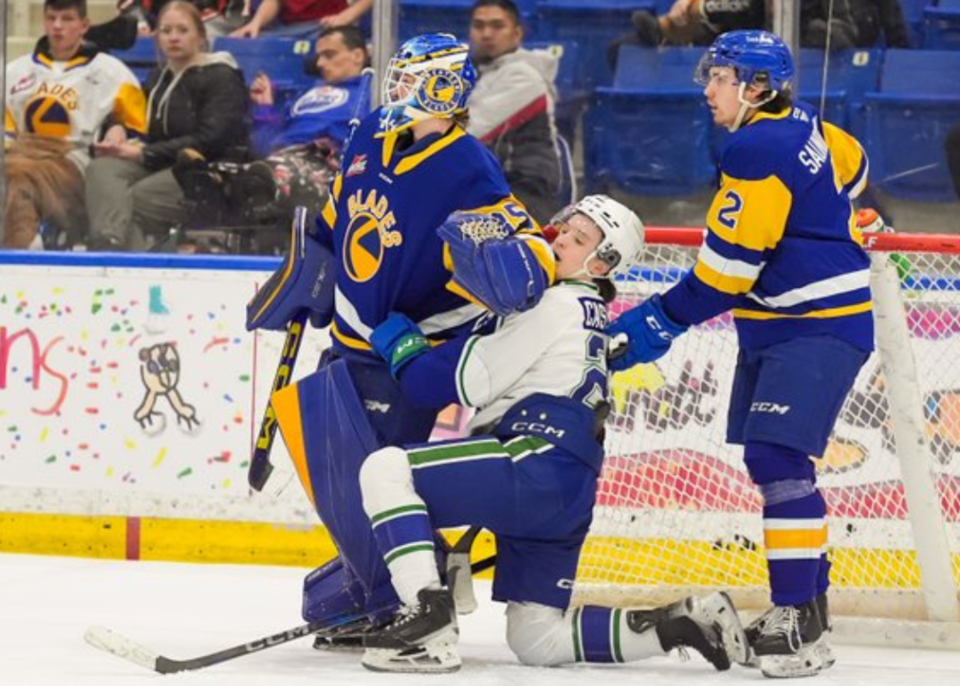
419	151
42	55
760	116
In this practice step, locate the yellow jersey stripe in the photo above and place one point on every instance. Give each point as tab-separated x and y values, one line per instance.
828	313
725	283
348	341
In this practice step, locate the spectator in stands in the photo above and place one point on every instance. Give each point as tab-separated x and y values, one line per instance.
876	19
699	22
512	106
301	143
58	100
952	148
196	100
301	18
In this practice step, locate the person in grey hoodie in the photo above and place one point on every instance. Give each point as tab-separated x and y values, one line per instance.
512	106
196	100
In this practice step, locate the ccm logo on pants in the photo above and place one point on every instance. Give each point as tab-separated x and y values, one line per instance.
770	408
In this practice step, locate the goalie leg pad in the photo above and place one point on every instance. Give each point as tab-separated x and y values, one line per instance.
305	281
328	435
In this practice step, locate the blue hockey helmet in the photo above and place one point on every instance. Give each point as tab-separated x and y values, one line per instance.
760	58
429	77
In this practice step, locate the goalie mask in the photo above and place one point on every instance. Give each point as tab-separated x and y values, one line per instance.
429	77
622	230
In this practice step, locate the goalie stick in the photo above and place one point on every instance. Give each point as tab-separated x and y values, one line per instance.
260	467
128	649
121	646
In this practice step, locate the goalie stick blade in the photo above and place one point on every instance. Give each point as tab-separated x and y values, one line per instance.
121	646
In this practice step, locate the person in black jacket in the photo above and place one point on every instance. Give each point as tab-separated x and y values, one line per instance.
197	100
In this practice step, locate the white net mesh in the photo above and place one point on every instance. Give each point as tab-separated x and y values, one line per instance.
676	511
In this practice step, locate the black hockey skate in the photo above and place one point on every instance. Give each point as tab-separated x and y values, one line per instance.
420	639
787	641
708	625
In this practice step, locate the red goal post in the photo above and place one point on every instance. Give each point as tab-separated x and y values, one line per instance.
676	512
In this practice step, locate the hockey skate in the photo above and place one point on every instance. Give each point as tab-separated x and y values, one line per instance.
708	625
422	639
788	639
822	647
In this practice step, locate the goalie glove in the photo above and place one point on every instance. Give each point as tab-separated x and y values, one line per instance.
649	334
399	341
305	281
492	266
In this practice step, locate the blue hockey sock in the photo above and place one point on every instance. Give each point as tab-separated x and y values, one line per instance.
795	534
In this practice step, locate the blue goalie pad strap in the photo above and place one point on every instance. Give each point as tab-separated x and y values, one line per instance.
779	492
495	268
650	333
305	281
564	422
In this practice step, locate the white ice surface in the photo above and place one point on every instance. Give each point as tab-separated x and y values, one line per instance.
186	610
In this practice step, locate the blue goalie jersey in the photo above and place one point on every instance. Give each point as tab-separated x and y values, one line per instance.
381	221
782	249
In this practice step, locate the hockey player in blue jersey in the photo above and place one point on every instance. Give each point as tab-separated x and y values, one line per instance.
783	253
376	250
528	473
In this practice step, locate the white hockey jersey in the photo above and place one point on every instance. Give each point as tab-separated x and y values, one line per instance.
558	348
72	99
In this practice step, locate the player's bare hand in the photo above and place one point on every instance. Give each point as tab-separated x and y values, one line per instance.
261	90
250	30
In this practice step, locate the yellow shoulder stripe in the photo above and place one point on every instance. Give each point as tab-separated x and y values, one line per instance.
846	153
408	163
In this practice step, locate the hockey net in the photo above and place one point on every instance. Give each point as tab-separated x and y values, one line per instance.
676	512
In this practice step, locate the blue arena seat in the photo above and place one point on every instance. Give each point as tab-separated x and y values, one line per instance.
941	26
907	121
650	133
141	58
850	75
594	24
279	58
913	15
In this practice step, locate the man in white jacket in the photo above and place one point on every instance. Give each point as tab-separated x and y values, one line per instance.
512	106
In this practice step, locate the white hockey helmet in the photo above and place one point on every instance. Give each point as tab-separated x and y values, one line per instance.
622	229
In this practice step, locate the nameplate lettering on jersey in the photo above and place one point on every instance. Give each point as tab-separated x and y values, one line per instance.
525	427
368	234
815	152
594	314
